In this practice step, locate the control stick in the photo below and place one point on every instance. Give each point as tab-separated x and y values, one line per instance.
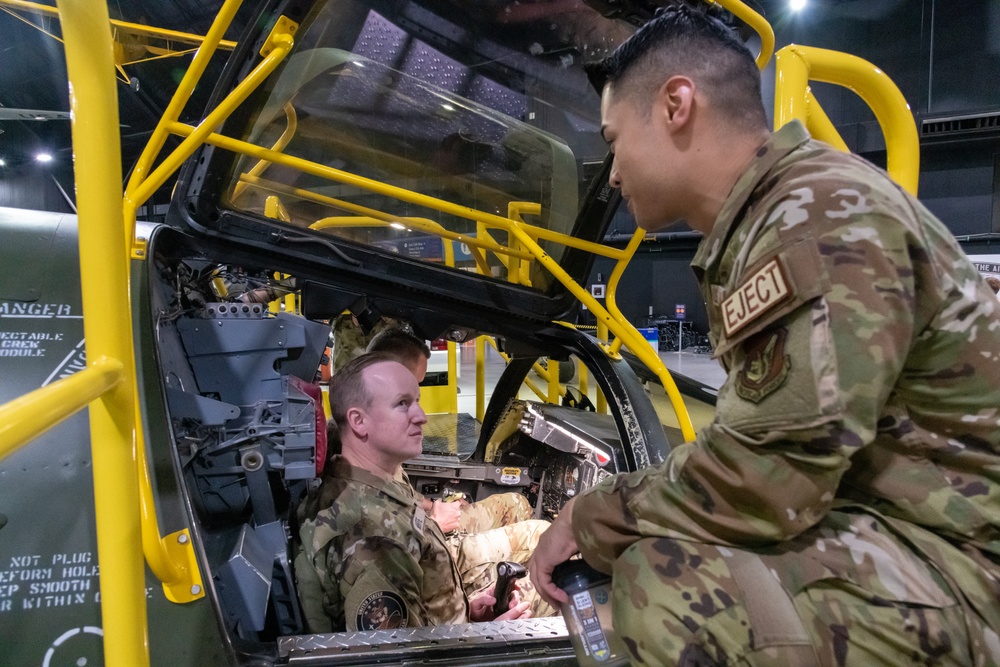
507	574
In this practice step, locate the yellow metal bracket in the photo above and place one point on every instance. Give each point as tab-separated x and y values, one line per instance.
180	550
283	28
138	248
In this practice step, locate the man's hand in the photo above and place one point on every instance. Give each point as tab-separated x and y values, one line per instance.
481	606
446	515
556	545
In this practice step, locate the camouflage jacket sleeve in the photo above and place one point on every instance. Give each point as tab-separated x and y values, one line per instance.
381	586
806	380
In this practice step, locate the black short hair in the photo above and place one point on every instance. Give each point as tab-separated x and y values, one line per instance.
687	40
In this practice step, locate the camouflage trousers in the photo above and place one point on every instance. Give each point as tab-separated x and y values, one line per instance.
857	590
497	528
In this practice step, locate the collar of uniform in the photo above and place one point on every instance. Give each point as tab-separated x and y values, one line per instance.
779	144
397	489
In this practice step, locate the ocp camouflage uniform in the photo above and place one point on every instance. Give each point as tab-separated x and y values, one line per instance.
854	452
349	341
494	529
371	558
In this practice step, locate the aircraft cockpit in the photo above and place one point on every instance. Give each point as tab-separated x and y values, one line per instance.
248	428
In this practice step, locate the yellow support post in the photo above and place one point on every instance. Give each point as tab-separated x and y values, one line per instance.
104	278
554	386
820	126
637	344
602	403
480	378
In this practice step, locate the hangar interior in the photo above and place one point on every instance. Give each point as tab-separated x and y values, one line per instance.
372	104
943	61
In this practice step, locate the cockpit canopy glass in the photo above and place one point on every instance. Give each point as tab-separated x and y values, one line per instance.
427	127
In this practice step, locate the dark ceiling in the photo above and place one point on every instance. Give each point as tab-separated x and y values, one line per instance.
33	77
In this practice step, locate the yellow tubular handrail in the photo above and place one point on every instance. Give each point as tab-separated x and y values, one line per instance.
171	163
27	417
755	21
525	234
136	28
646	354
515	211
104	283
379	219
174	109
291	127
796	65
378	187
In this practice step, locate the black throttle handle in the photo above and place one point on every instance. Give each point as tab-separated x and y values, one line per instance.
507	574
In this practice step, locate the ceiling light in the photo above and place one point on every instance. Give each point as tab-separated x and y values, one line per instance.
397	225
3	163
796	5
447	107
43	157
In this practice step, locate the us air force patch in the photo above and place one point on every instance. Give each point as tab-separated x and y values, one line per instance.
765	365
382	610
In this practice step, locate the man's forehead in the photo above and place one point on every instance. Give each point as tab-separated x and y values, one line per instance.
389	377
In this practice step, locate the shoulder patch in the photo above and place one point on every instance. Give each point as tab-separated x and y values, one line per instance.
382	610
765	365
758	294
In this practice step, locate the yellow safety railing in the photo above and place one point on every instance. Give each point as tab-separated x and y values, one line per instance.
144	180
25	418
796	65
522	238
291	126
111	376
134	28
755	21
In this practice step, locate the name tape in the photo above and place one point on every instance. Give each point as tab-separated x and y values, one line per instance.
764	290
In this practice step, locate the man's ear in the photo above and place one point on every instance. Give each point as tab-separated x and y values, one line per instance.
357	421
675	100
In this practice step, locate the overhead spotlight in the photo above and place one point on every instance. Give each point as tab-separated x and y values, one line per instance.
3	163
43	157
797	5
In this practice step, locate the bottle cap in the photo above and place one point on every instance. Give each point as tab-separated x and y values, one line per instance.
574	576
